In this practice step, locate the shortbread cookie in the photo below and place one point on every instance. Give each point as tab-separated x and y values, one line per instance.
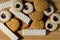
37	25
49	10
5	16
50	25
13	24
36	16
40	5
28	8
55	18
17	6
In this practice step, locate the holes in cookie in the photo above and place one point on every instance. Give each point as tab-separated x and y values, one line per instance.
55	18
3	15
48	9
49	25
17	5
28	8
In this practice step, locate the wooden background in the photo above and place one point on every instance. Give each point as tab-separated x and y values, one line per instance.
50	36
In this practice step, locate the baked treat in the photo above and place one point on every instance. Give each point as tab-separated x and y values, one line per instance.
28	8
55	18
2	1
40	5
13	24
5	16
36	16
16	6
30	0
37	25
49	25
49	10
24	25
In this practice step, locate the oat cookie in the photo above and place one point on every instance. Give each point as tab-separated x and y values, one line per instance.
13	24
40	5
36	16
37	25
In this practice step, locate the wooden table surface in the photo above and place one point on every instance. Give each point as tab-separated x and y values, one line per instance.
55	35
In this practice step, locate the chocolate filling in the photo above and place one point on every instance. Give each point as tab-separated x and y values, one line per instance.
26	7
55	18
48	9
49	25
17	6
3	15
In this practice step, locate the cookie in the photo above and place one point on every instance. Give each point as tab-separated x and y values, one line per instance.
24	25
36	16
2	1
17	6
28	8
55	18
8	32
40	5
5	16
30	0
13	24
49	10
37	25
49	25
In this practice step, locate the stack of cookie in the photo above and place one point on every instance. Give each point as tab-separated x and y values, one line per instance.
18	15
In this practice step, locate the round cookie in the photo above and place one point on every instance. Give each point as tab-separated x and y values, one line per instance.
16	6
28	8
50	25
40	5
37	25
13	24
49	10
55	18
36	16
5	16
